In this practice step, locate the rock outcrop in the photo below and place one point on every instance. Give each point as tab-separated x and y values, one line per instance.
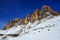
37	15
11	24
20	22
27	19
46	8
55	13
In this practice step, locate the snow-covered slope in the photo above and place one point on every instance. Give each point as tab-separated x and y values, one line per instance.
45	29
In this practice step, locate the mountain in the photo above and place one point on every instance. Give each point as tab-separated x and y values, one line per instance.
43	24
11	23
36	15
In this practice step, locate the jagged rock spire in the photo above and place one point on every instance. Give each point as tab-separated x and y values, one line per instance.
46	8
35	15
27	19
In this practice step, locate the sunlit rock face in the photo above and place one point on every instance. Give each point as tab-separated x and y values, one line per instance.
44	11
48	9
11	23
36	15
27	19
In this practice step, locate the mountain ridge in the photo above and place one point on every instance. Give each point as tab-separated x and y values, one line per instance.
36	15
44	29
43	24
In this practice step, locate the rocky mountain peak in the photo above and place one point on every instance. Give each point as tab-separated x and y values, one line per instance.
27	18
36	15
46	8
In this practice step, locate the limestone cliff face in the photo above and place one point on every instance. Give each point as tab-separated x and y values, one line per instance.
35	15
46	8
27	19
10	24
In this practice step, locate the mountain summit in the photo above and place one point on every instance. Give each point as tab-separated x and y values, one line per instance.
43	24
36	15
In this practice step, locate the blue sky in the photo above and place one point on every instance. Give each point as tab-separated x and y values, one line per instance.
11	9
